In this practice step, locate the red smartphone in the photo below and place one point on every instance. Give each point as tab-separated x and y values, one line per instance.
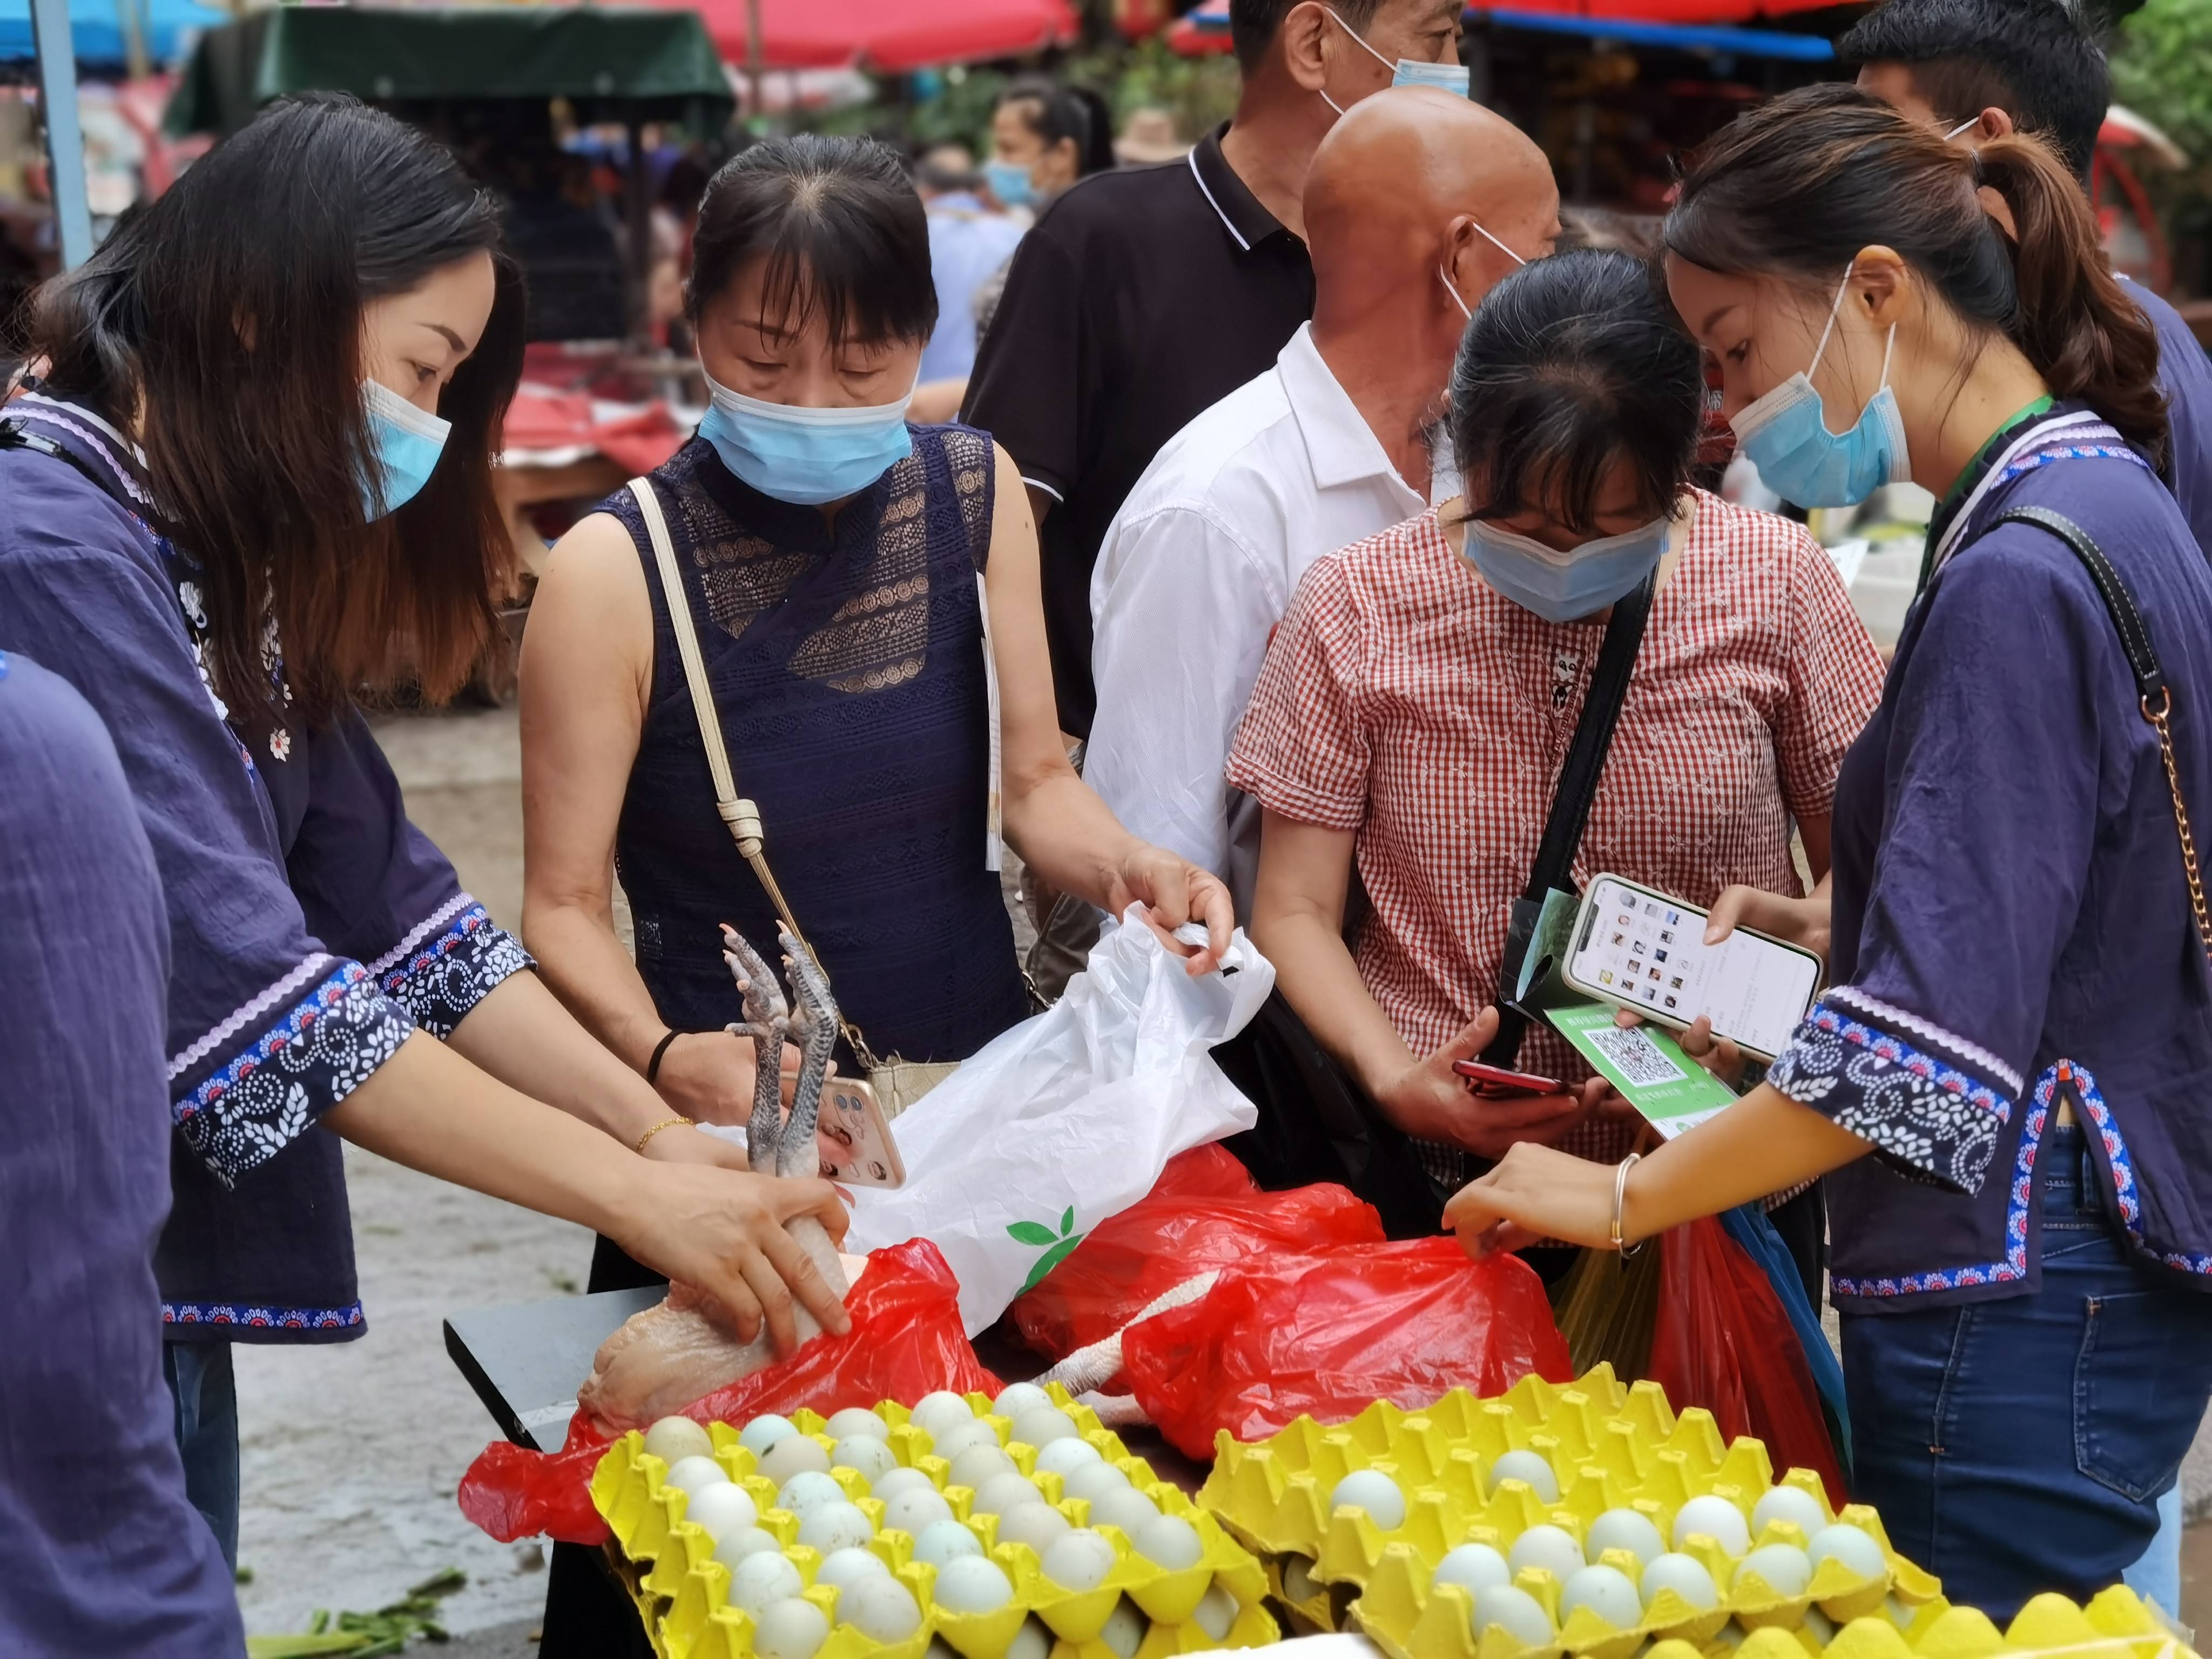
1495	1080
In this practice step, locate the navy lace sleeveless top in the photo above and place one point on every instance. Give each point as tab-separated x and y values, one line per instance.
847	665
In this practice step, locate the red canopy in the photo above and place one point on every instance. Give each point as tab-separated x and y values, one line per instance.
892	36
1206	28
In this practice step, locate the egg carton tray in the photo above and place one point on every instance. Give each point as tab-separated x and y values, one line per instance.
683	1592
1608	1447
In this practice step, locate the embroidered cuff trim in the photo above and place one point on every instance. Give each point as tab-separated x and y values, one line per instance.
1875	1009
281	991
323	1049
269	1318
448	964
1921	1113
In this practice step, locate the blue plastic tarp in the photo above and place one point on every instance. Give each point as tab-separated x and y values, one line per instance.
96	29
1675	37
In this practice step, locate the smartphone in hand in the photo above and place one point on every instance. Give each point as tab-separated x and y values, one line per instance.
1496	1083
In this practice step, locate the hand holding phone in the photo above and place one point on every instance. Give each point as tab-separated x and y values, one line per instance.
1496	1083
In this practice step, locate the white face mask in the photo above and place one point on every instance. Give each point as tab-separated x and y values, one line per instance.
1407	71
1452	288
1970	121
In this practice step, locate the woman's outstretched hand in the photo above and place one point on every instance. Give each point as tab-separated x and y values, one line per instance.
1431	1101
1173	891
1535	1192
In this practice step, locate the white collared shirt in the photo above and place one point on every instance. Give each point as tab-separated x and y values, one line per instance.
1196	570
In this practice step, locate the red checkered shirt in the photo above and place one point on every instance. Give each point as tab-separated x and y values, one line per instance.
1405	700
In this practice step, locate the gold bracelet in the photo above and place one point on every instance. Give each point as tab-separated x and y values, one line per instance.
665	1123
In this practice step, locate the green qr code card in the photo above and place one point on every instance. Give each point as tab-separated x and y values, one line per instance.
1646	1064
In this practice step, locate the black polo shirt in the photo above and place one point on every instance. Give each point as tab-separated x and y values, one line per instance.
1143	296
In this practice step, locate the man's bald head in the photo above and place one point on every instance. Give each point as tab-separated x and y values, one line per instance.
1398	185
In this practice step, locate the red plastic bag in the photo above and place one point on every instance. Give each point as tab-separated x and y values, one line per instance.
1724	1341
907	1340
1204	1213
1406	1321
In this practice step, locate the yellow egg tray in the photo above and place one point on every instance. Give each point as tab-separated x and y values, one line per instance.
683	1591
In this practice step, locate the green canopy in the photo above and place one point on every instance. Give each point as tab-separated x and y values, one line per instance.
614	65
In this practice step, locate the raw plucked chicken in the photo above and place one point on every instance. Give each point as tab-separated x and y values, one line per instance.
668	1356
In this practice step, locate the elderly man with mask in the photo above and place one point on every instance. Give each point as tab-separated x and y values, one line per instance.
1417	202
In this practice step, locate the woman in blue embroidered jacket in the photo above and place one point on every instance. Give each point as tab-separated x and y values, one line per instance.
2017	1028
231	502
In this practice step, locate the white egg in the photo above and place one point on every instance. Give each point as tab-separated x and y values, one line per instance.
832	1527
1031	1641
1785	1569
1607	1592
1043	1426
945	1541
1170	1541
843	1569
1003	1493
1520	1614
1125	1629
1686	1576
1081	1560
864	1452
1798	1507
1019	1397
764	1433
1216	1612
856	1419
1712	1516
962	1436
1625	1529
808	1491
1127	1508
760	1580
1093	1481
1373	1492
1064	1457
1551	1548
794	1454
969	1584
1474	1568
672	1439
1852	1545
732	1547
934	1413
1529	1467
723	1508
912	1511
1299	1584
976	1466
902	1479
881	1608
1038	1525
694	1474
790	1629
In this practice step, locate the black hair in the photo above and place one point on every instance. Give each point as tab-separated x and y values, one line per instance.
2035	59
1253	24
1801	184
841	227
224	320
1570	364
1057	112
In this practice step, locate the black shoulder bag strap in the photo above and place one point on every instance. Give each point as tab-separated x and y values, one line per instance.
2153	694
1553	869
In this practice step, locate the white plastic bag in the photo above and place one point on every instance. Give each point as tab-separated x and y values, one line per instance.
1068	1118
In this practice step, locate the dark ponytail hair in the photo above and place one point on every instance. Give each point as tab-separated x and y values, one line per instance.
1802	184
1057	111
224	320
1573	363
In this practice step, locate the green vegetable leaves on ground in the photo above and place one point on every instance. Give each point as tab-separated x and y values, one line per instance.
366	1635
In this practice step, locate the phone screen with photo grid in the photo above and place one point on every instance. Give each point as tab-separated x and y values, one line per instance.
1650	953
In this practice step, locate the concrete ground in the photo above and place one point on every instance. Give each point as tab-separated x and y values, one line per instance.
351	1454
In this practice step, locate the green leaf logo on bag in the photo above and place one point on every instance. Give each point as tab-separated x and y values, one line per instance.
1055	1245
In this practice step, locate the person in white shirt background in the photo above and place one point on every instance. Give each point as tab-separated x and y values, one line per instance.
1418	200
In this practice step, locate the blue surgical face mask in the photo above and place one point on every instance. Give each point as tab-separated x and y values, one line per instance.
1786	437
1407	71
1562	588
805	456
408	441
1010	183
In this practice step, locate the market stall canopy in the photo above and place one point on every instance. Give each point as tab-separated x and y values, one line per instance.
1698	26
96	28
2126	129
627	64
888	36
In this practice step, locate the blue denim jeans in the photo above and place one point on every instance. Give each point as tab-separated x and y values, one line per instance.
201	1382
2021	1445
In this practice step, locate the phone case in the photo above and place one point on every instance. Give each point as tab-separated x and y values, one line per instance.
852	1118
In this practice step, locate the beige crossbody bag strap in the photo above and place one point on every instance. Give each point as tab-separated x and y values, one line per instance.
740	816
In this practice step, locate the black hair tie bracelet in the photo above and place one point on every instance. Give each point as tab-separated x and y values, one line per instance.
659	1051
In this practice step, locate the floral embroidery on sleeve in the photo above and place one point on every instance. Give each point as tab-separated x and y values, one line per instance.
452	960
